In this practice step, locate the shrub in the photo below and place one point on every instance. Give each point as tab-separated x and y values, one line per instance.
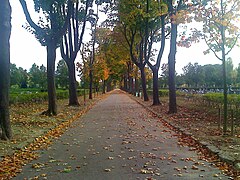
36	95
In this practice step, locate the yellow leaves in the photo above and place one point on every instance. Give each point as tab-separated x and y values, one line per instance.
144	171
11	165
181	16
37	165
107	170
163	9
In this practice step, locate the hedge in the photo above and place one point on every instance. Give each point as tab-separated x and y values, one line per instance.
218	98
35	96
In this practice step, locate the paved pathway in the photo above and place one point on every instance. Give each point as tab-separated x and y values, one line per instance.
118	140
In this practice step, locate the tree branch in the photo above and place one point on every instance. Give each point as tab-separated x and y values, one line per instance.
62	31
84	25
28	17
233	44
211	48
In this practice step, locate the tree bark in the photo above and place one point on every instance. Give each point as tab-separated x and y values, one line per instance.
225	100
156	100
5	32
171	65
90	84
104	87
73	98
144	87
70	46
52	98
51	36
130	83
109	87
125	83
136	86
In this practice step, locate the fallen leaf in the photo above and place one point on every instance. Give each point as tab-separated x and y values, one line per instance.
107	170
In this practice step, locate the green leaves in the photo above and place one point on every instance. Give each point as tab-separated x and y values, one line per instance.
47	5
218	18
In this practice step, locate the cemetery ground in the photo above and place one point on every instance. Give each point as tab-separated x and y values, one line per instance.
194	129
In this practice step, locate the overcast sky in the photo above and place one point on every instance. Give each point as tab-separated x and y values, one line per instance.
26	50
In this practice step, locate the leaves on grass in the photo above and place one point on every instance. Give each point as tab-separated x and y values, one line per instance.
11	164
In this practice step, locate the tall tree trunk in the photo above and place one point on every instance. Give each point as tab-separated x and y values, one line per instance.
90	84
70	46
155	87
109	86
130	81
136	86
5	32
73	99
104	87
225	100
144	87
171	65
125	83
52	98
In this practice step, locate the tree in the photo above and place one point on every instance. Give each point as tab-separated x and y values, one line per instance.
5	31
238	74
62	78
132	27
221	34
23	77
37	76
193	74
104	39
154	25
43	77
164	75
71	44
172	57
179	13
93	19
229	71
49	32
18	76
14	75
212	75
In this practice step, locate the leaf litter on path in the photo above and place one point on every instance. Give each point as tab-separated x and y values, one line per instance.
10	165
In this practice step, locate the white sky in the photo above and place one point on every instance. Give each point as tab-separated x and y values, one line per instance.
26	50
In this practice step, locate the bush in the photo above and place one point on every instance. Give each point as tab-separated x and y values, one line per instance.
36	95
233	99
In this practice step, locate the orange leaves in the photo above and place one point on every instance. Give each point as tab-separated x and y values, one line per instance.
105	74
12	164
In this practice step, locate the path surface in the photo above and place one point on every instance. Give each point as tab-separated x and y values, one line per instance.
118	140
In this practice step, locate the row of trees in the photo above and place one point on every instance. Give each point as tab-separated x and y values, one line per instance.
144	22
61	24
122	49
209	75
203	76
36	77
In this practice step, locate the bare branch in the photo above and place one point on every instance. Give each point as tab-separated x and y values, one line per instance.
28	17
